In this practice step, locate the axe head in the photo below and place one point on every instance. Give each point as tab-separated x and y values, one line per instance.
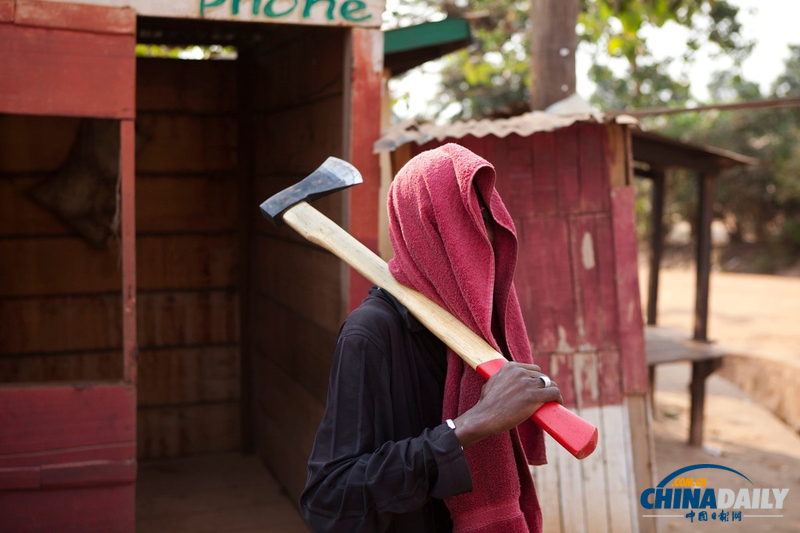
333	175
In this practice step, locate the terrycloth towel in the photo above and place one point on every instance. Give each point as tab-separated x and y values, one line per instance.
442	250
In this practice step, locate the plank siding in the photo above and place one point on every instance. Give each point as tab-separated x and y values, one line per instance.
60	304
188	258
575	281
59	72
297	289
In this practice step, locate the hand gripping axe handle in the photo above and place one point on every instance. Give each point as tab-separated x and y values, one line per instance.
291	206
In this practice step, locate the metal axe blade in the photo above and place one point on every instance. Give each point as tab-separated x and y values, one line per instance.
333	175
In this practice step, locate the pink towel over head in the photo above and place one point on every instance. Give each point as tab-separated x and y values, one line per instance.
442	250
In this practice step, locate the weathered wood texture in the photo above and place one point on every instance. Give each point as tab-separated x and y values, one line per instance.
362	128
557	188
333	13
188	256
569	194
61	300
298	291
65	72
69	450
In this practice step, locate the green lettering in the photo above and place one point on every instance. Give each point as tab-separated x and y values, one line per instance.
350	7
205	3
235	7
310	4
269	12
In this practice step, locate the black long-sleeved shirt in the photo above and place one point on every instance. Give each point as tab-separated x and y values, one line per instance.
382	459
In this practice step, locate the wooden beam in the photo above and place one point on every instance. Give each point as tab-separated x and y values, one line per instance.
74	17
128	238
67	73
704	217
772	103
666	155
700	371
43	418
631	337
363	83
247	209
656	244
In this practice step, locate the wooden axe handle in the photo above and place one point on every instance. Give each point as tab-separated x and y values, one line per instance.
575	434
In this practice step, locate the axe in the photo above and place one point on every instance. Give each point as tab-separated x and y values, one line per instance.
291	206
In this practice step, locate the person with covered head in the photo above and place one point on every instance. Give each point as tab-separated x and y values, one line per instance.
413	439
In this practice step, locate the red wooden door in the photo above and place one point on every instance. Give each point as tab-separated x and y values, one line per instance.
68	450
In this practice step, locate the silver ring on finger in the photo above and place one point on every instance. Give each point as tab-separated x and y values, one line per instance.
546	381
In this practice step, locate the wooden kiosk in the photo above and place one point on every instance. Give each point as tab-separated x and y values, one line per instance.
567	181
145	310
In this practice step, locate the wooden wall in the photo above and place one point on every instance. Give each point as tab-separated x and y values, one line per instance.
237	320
570	195
60	306
187	186
298	291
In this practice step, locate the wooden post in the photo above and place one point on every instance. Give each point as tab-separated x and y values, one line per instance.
656	244
127	176
704	217
553	44
700	371
247	213
363	84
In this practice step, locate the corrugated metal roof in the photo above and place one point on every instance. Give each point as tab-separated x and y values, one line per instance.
560	115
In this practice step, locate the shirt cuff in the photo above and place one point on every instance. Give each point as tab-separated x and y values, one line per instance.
453	471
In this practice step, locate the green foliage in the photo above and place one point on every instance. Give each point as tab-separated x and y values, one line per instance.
186	52
759	203
494	72
613	31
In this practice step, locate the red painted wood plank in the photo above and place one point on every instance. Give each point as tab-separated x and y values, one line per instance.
604	256
88	474
593	271
364	108
594	186
587	281
514	171
566	170
90	510
58	72
128	235
97	19
609	368
631	326
107	452
20	478
470	142
587	380
544	285
563	372
7	10
42	418
544	187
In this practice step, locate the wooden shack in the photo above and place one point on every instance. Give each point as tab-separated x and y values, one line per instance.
146	312
567	181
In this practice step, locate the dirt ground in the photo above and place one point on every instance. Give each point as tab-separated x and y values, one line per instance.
754	315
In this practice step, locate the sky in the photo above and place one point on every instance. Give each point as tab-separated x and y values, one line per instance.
773	24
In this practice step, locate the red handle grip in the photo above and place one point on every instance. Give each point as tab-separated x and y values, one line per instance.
575	434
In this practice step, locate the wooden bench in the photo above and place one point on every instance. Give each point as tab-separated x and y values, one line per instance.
664	345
